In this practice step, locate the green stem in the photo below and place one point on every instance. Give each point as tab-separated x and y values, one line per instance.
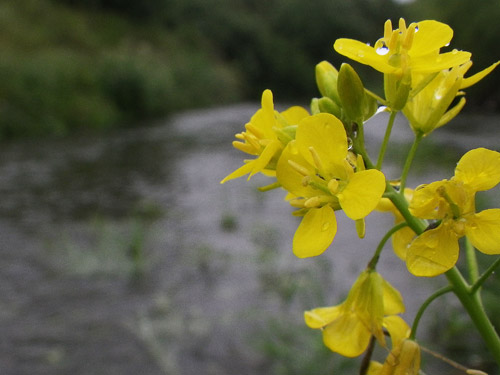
473	306
479	281
470	254
409	160
373	262
424	306
385	142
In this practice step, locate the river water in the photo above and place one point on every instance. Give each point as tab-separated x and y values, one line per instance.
122	254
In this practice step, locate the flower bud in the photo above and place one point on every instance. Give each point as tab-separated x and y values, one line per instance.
327	105
352	93
326	79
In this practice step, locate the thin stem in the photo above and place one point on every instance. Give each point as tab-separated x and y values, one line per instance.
474	308
424	306
484	276
470	254
373	262
409	160
385	142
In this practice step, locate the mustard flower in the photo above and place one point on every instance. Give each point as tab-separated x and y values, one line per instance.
371	305
265	136
404	52
403	359
428	108
415	47
451	204
315	171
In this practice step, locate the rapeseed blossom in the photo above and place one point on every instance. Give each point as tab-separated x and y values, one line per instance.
315	170
451	204
428	108
371	306
404	358
265	136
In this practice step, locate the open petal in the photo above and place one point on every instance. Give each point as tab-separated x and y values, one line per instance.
347	335
483	231
364	54
315	232
289	177
293	115
326	135
479	169
433	252
472	80
431	36
401	240
362	193
320	317
432	64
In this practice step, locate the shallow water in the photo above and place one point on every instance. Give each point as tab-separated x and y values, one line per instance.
123	254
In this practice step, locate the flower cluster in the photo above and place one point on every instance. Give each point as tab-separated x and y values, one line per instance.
319	158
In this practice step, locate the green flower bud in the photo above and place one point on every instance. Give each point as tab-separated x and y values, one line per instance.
315	106
328	105
326	79
352	93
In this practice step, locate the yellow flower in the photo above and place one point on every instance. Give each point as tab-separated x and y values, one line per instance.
371	306
404	52
428	109
415	47
451	203
265	136
315	170
403	237
403	359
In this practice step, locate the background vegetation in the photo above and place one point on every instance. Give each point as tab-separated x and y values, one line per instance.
80	65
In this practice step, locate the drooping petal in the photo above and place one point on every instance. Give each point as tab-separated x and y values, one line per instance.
320	317
398	329
393	301
326	135
364	54
431	35
347	335
315	232
433	252
472	80
241	171
362	193
265	157
479	169
483	231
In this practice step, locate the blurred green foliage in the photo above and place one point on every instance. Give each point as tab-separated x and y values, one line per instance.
79	65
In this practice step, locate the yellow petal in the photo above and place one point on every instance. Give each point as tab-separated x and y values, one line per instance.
293	115
431	35
241	171
362	193
320	317
393	301
360	52
401	240
289	177
472	80
436	63
425	202
326	135
397	328
483	231
433	252
479	169
265	157
347	335
315	232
